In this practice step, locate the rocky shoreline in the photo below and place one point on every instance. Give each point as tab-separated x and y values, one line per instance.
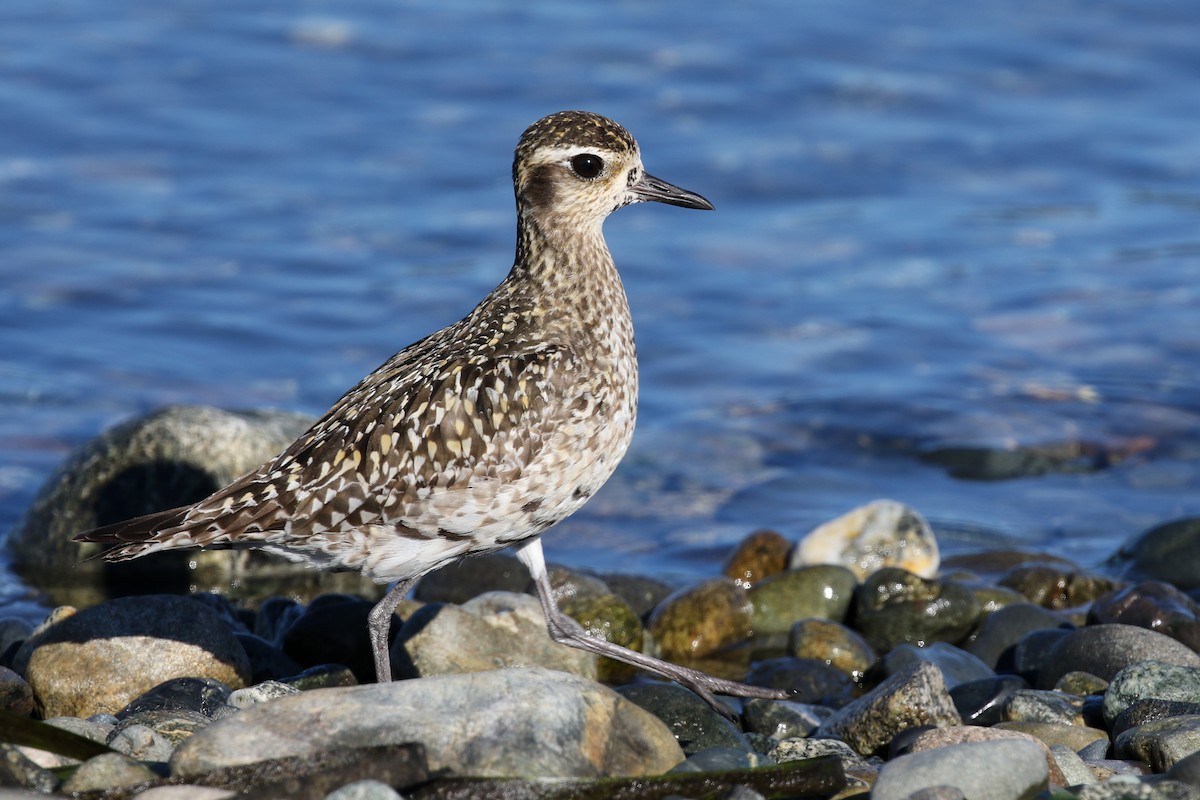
996	674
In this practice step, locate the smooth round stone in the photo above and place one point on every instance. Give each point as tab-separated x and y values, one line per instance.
1081	683
525	721
701	620
105	771
811	681
801	749
992	598
1162	743
492	630
760	555
957	666
1186	770
894	606
469	577
1104	650
781	600
13	631
1151	679
883	533
101	658
1139	712
1075	737
275	616
201	695
16	696
641	593
834	643
981	702
1001	630
994	563
1039	705
142	743
1001	769
606	616
1169	552
1151	604
1073	769
263	692
1030	653
1054	587
333	631
267	661
783	719
175	725
956	735
693	721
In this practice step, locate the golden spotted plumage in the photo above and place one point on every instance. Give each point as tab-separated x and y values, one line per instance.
482	434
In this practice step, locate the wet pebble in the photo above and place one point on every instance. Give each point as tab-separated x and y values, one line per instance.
783	719
883	533
694	723
834	643
698	621
893	606
333	629
1169	552
1154	605
1104	650
823	591
1039	705
760	555
495	629
1162	742
957	666
1000	631
107	770
201	695
1054	587
809	680
981	702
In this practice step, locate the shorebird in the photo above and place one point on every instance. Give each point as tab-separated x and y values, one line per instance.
481	435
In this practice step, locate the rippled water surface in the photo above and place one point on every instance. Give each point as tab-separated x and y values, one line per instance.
939	226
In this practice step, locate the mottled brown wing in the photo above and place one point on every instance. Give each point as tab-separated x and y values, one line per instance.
414	428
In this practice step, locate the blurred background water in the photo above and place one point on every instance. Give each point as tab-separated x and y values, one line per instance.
942	229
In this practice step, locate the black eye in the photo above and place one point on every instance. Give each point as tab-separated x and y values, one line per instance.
587	165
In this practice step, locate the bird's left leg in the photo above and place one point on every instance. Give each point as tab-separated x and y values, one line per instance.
567	631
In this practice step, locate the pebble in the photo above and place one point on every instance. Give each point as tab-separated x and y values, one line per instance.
911	698
824	591
364	790
883	533
981	702
1160	742
1041	705
108	769
1000	769
505	722
1154	605
832	642
333	629
1055	587
958	735
783	719
809	680
1151	679
700	620
999	633
693	722
760	555
957	666
893	607
1104	650
101	658
495	629
1169	552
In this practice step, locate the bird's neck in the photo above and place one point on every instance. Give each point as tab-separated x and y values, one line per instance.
570	278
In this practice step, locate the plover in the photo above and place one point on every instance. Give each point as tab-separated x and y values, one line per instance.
479	436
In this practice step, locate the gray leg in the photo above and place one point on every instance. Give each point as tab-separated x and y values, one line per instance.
379	625
567	631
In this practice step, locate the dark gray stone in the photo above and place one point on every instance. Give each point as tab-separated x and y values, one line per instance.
981	702
957	666
693	721
1104	650
1001	630
201	695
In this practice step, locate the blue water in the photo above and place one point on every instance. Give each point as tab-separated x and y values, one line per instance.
939	224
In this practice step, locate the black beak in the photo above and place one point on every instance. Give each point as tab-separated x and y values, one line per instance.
651	188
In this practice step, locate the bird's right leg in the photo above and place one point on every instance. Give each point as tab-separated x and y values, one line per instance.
379	625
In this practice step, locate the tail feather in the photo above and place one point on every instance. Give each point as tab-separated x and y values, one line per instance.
131	536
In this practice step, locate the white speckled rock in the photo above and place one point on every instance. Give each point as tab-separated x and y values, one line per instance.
883	533
529	722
